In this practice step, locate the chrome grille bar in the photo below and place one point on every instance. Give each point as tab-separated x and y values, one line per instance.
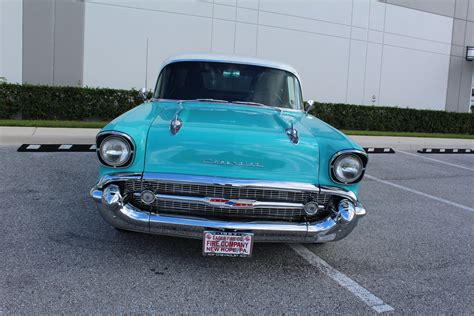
231	182
208	201
224	191
184	208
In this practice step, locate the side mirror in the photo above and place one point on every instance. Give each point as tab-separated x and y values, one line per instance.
143	94
310	106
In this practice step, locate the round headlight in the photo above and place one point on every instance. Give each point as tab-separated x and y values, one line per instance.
115	151
347	168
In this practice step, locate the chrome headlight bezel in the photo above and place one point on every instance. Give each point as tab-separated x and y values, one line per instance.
107	135
359	154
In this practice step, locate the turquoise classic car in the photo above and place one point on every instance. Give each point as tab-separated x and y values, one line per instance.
225	151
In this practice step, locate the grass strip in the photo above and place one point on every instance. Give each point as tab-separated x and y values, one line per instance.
84	124
408	134
52	123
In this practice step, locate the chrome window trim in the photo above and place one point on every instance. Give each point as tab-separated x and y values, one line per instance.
239	183
106	134
360	153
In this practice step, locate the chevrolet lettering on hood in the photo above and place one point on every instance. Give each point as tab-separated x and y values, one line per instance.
226	151
233	163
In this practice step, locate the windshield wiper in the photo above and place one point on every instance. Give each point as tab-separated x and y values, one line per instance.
210	100
259	104
249	103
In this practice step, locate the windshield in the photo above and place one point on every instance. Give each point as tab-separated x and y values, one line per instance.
229	82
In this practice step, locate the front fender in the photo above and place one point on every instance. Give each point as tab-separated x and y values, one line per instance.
135	123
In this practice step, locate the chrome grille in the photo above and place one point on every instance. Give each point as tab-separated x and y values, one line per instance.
228	192
168	207
222	191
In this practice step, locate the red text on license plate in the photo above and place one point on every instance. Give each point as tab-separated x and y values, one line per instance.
227	244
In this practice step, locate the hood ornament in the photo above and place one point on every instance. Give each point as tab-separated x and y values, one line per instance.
175	125
292	134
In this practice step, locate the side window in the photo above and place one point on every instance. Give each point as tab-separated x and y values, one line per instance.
299	96
292	94
158	87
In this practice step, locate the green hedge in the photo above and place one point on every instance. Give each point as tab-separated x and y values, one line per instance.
393	119
71	103
65	103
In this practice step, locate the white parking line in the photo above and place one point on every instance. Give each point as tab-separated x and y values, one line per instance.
65	147
343	280
440	161
421	193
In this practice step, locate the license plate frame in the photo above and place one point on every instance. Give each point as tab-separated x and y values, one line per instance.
227	244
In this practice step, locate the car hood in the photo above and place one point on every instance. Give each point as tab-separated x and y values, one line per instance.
229	140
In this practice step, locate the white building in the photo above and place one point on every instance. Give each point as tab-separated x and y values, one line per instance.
407	53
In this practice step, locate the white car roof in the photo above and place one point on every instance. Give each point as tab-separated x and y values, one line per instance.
230	59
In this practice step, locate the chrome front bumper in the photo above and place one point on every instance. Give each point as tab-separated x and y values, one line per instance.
128	217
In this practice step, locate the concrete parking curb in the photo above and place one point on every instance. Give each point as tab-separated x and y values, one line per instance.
57	148
446	151
46	135
412	143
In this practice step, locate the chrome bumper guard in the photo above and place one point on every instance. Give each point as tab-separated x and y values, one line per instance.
126	216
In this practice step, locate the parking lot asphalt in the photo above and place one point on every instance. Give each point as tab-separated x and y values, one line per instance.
414	249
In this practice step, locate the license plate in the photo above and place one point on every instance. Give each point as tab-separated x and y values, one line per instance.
228	244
